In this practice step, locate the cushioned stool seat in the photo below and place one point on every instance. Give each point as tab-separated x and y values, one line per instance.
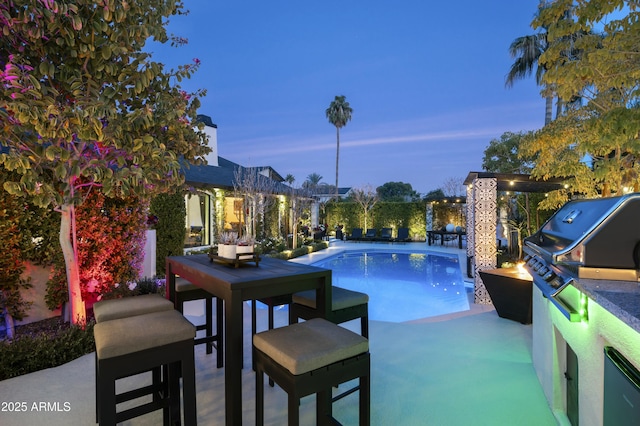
106	310
308	358
185	291
346	305
133	345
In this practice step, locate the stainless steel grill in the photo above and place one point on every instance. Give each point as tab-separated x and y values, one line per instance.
586	239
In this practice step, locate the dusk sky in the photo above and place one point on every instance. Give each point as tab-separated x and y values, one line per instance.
425	81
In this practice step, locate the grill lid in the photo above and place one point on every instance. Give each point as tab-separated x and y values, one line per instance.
596	233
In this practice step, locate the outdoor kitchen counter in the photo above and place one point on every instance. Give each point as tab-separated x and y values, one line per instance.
620	298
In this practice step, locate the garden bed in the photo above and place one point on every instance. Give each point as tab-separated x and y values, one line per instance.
43	344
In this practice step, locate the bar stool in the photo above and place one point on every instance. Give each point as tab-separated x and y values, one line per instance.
112	309
107	310
137	344
271	303
346	305
309	358
185	291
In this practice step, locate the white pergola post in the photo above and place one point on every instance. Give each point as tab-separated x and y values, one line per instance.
315	214
429	216
482	245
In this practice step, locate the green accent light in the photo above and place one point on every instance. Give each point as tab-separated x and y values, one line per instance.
584	307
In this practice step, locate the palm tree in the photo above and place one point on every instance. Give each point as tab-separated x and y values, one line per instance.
313	180
290	179
338	113
527	50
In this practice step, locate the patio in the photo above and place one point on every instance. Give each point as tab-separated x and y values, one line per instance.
466	368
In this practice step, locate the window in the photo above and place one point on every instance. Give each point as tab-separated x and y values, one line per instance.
198	220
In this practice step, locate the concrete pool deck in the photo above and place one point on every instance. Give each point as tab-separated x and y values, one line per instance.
453	370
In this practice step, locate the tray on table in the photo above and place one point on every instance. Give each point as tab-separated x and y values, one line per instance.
237	262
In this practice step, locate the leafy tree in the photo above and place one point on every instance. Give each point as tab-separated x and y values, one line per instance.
257	193
595	146
110	249
339	114
300	200
325	188
434	194
12	304
367	198
453	187
503	156
83	108
397	191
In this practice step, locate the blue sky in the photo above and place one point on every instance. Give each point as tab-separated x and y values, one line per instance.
425	81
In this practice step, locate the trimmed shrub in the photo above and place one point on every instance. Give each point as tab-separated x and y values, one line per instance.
28	353
170	230
396	215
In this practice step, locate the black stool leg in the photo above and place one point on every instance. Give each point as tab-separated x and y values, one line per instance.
173	379
254	320
294	410
97	388
364	327
208	325
189	389
365	400
324	410
259	398
270	317
107	403
219	332
271	383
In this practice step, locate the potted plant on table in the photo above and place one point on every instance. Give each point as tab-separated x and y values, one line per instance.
227	245
245	244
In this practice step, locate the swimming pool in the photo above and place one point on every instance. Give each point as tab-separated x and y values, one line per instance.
402	286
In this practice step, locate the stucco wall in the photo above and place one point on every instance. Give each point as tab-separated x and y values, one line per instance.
552	331
39	277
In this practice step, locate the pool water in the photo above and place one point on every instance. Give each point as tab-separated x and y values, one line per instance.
401	286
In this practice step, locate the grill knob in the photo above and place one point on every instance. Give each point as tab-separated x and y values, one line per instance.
549	276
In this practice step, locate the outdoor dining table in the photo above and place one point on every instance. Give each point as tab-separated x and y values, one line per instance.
432	235
272	277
